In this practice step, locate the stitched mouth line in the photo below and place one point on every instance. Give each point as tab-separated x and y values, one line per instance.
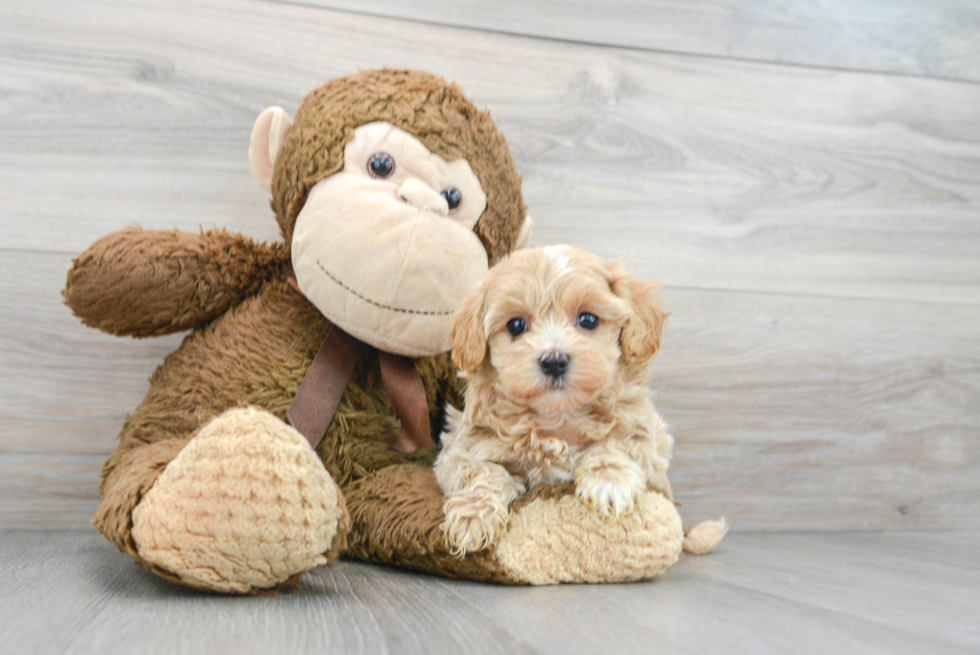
403	310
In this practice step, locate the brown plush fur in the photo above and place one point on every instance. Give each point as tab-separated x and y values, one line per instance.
424	105
255	354
130	285
255	336
412	534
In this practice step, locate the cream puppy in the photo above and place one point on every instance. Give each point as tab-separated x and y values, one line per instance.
556	346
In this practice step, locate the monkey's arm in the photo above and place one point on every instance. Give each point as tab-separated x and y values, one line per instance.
145	283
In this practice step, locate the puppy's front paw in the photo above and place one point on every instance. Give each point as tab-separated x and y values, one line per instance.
473	522
606	497
609	483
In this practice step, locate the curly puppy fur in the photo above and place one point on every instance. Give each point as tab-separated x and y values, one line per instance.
592	422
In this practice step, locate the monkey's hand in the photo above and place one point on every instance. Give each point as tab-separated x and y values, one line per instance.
145	283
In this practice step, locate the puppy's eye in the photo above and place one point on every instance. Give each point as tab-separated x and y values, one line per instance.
588	321
453	197
516	327
381	164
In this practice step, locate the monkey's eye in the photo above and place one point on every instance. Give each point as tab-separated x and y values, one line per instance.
453	197
381	164
588	321
516	327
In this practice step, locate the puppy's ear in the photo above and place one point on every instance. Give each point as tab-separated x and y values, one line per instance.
643	331
468	337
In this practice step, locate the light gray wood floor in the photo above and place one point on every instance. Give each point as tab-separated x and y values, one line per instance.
70	592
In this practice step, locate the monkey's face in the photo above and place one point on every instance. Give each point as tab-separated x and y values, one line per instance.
385	248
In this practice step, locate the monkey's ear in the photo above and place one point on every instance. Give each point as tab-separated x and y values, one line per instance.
641	336
469	339
524	237
268	134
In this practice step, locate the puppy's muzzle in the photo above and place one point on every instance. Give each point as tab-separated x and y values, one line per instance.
554	365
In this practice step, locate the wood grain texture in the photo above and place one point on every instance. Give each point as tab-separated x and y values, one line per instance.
936	39
855	593
800	412
48	490
723	174
817	232
66	388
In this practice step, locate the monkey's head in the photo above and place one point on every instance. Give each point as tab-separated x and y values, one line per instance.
395	194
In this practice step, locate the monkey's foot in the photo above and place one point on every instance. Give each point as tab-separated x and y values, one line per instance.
551	535
556	538
245	506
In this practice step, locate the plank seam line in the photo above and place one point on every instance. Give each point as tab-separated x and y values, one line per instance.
69	255
826	296
34	251
628	48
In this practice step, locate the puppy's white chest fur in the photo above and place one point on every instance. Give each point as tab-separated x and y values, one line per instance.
551	450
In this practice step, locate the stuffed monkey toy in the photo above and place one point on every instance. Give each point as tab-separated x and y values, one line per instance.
299	418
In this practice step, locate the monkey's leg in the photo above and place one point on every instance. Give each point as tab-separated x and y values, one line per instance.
552	537
396	510
241	505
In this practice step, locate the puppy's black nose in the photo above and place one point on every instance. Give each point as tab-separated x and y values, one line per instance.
554	364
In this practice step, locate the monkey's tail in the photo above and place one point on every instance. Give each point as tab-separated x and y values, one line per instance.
703	537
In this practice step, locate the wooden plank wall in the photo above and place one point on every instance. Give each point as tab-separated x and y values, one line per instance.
804	177
935	39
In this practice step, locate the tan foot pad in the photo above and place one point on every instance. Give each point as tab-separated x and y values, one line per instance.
246	505
560	539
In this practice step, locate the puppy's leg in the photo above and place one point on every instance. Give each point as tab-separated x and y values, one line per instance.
478	495
608	481
649	445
